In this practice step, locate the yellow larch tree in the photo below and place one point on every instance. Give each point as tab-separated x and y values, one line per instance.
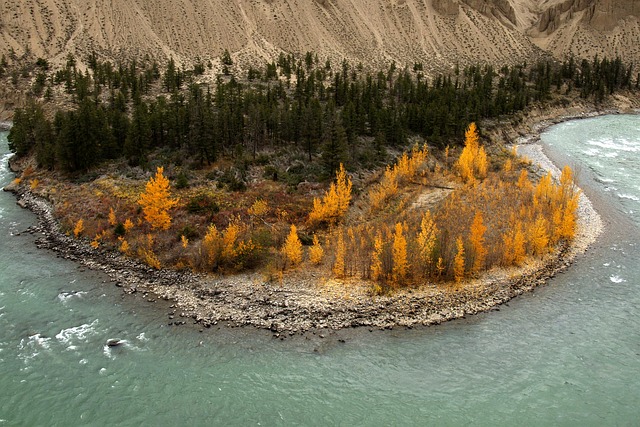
112	217
568	227
377	272
427	239
259	208
148	256
539	236
473	161
316	252
523	181
341	252
335	203
230	238
514	240
292	248
79	228
128	225
400	262
459	261
124	247
544	191
212	246
156	201
477	240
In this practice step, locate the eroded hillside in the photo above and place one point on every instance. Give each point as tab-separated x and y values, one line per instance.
439	33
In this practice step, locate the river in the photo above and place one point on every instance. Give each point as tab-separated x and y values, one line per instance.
566	354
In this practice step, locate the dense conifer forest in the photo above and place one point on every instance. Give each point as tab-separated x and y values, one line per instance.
338	113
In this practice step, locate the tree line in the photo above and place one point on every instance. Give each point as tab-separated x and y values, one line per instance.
336	114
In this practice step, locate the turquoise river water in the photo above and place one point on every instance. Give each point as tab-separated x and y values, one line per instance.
566	354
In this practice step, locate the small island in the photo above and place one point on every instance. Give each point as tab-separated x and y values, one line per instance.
302	197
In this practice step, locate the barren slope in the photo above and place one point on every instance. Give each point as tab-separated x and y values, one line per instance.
586	28
368	31
438	33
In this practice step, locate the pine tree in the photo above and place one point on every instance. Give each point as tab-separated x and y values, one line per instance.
156	201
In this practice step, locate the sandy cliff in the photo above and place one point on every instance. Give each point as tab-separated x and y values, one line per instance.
439	33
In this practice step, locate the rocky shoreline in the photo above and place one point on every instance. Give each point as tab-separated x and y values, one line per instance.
304	302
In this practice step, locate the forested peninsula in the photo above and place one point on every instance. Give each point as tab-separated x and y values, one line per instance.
306	195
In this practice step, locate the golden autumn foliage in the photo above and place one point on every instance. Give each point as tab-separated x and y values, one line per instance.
477	240
473	161
335	203
112	217
514	245
427	239
124	247
406	169
212	247
229	249
156	201
339	264
259	208
128	225
435	229
459	261
400	263
377	272
292	248
539	236
316	252
79	228
147	255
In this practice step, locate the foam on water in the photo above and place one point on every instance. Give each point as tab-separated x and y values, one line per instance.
67	295
617	145
77	333
629	197
616	279
32	346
